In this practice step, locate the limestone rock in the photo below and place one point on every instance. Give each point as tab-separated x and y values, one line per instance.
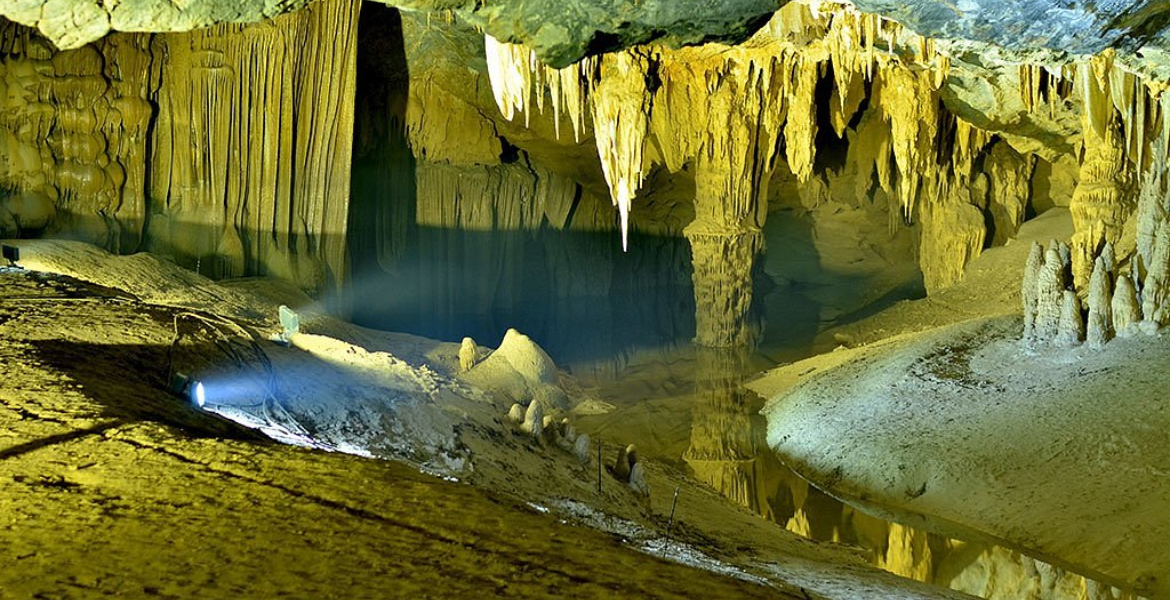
1071	329
1010	175
566	436
516	414
638	481
468	354
24	213
623	463
1030	288
93	127
1049	297
527	358
952	236
582	448
1099	326
533	420
1126	313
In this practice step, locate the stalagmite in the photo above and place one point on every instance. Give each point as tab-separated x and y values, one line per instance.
1071	329
1154	301
1030	289
1126	313
468	353
533	420
638	481
1065	255
1049	297
516	414
1109	259
1100	319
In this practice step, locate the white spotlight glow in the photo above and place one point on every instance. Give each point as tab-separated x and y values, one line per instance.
197	394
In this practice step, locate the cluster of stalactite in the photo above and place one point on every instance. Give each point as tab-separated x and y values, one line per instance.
1121	111
246	132
729	113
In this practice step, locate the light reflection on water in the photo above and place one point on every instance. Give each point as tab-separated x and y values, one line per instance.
725	447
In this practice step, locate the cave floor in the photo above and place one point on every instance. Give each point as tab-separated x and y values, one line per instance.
113	487
940	417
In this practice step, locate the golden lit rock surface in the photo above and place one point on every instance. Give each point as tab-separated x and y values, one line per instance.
133	138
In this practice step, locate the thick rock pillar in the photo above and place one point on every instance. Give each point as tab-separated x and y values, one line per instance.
1104	198
724	259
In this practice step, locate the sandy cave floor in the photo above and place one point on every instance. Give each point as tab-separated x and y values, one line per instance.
949	423
116	487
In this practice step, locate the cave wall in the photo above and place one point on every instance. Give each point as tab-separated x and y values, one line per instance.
226	148
230	148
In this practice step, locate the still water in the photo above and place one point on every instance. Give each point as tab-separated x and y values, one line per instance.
622	324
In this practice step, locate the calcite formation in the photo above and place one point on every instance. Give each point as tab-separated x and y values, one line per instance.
227	148
930	163
956	147
1123	297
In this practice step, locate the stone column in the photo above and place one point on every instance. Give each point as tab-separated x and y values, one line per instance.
724	258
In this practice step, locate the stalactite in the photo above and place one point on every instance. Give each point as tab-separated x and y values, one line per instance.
910	103
621	111
509	74
519	79
800	132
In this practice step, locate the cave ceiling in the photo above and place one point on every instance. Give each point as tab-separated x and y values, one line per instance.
562	32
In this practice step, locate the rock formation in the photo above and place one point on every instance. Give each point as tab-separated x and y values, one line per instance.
1071	329
1126	312
623	464
1050	288
533	420
243	134
1099	326
468	354
1029	288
